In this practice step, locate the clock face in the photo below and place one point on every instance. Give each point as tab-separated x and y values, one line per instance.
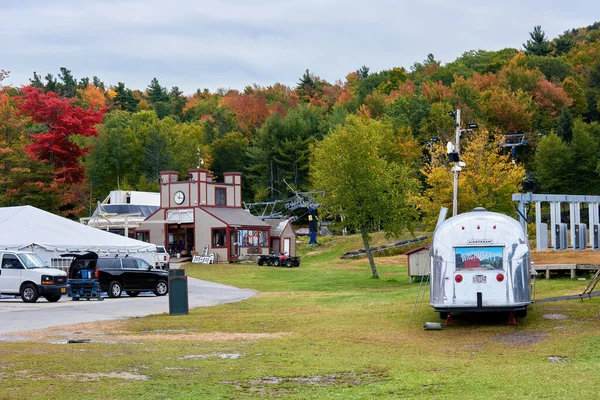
179	197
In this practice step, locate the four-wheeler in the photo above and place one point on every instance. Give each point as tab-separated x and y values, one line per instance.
281	260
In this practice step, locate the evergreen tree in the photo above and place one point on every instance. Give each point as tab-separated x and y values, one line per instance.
157	93
124	100
538	44
564	43
68	85
564	127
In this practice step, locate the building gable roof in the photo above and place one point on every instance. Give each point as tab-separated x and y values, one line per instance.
235	217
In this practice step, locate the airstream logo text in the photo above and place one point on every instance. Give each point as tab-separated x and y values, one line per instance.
480	241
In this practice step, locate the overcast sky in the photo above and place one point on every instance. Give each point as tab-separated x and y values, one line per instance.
195	44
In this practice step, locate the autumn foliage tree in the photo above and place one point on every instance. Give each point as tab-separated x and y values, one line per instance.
488	180
62	121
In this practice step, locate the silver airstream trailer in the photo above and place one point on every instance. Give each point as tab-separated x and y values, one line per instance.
480	263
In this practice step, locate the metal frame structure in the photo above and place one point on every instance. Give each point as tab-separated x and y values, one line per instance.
555	200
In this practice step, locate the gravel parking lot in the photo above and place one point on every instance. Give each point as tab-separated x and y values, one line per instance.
16	316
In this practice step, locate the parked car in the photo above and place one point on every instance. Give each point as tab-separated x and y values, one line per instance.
26	274
117	274
162	257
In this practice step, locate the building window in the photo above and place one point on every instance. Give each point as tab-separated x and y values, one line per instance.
254	238
220	196
219	238
143	236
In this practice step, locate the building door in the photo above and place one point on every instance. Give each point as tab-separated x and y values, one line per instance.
233	246
286	246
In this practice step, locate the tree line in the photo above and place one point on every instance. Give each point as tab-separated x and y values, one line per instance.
549	91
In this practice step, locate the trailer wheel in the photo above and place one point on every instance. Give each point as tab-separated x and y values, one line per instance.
444	315
521	313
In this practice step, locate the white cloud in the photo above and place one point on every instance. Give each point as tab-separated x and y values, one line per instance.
234	43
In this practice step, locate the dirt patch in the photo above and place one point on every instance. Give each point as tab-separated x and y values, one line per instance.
556	359
112	332
565	257
275	385
205	337
522	338
226	356
555	316
88	377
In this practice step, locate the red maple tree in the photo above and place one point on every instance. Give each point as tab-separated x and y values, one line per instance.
62	120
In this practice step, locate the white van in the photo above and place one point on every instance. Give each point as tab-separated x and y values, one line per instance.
27	275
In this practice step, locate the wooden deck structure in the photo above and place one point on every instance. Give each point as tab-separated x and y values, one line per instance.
565	267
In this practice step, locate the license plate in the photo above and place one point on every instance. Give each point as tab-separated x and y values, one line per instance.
63	290
479	279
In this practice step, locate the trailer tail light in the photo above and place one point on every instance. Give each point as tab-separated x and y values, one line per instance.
500	277
458	278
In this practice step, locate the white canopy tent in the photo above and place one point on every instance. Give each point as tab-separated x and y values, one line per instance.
27	228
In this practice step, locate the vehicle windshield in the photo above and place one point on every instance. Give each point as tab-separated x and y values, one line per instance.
31	261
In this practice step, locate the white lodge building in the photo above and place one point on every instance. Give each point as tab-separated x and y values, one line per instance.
200	213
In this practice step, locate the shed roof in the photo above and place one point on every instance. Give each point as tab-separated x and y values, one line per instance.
418	249
277	225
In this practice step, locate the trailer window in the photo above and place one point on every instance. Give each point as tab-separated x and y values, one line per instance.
489	257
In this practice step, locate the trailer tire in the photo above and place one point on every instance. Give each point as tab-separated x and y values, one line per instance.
521	313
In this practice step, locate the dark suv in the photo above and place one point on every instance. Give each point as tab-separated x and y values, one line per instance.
115	275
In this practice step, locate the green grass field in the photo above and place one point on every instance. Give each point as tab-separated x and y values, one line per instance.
325	330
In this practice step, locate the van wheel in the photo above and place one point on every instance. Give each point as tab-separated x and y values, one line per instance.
29	293
115	289
161	288
132	294
52	298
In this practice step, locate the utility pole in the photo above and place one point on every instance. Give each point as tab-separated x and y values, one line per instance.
456	167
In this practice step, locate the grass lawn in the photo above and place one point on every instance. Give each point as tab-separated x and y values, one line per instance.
321	331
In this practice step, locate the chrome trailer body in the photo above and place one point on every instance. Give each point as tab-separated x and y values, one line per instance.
480	262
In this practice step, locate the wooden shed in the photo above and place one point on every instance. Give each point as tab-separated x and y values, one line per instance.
418	261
